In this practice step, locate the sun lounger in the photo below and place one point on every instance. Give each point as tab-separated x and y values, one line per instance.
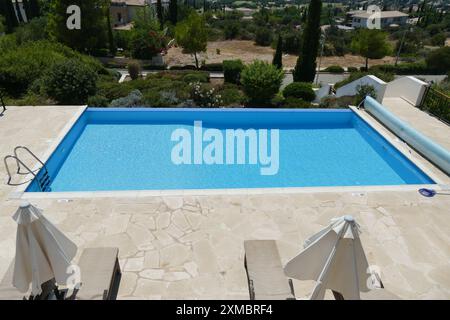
100	274
266	279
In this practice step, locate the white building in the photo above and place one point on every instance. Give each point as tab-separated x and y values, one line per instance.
362	19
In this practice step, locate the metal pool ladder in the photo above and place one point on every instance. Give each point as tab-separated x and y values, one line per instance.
42	176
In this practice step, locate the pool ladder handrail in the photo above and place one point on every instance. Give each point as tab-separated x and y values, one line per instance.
43	182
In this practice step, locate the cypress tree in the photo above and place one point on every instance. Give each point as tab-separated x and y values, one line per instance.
7	10
111	42
159	12
19	13
173	11
278	57
35	10
305	69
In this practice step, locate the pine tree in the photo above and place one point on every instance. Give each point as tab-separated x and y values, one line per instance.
159	12
19	13
7	10
305	69
278	57
173	11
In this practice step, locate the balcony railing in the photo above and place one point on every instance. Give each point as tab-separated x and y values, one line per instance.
437	103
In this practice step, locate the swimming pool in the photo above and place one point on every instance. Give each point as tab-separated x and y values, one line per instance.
133	149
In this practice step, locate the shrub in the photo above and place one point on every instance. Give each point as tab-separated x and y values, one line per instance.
205	95
29	99
352	69
292	102
439	60
333	102
160	99
122	39
100	52
134	99
263	37
196	77
146	39
231	95
114	90
23	65
169	98
98	101
232	70
438	39
134	69
300	90
278	100
146	45
231	30
363	91
70	82
34	30
261	81
335	69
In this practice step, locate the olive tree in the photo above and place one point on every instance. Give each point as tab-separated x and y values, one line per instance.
192	35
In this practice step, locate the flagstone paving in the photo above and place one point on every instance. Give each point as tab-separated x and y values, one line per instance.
191	247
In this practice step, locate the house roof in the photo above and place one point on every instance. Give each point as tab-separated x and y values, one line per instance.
383	14
138	3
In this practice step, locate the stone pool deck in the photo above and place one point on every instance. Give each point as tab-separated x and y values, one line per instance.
180	247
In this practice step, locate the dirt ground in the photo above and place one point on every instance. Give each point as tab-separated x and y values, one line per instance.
247	51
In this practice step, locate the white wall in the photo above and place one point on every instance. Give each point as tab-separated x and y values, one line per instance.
351	89
321	92
408	88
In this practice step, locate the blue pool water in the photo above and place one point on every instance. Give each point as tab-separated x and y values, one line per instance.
117	149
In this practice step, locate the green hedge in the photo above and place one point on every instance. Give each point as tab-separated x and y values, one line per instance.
334	69
412	68
217	67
